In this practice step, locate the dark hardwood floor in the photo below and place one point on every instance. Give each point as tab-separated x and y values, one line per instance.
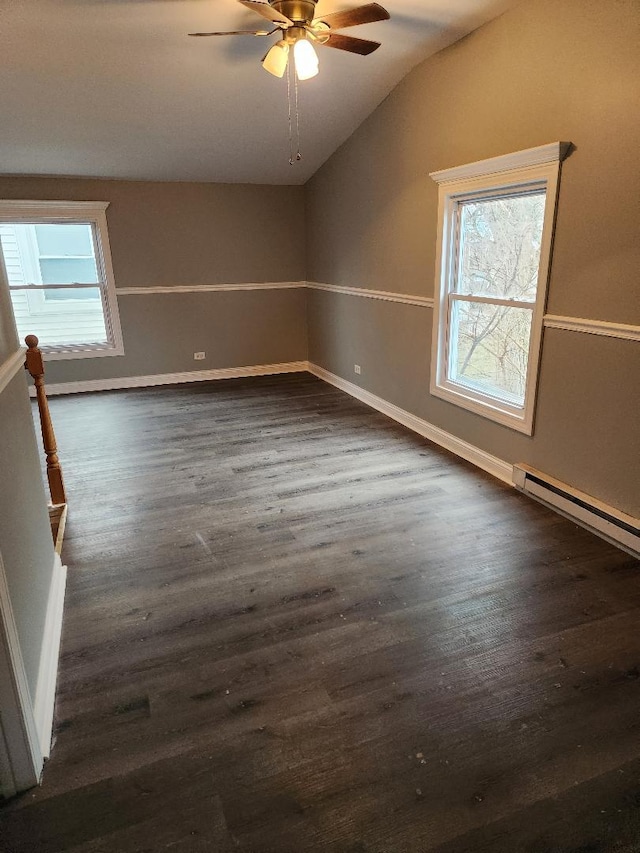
292	625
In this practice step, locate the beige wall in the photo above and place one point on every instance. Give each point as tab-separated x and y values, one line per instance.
167	234
544	71
164	234
235	328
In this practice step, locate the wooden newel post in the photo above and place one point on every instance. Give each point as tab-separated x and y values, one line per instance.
35	366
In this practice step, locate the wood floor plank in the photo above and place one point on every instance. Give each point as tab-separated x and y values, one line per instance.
292	625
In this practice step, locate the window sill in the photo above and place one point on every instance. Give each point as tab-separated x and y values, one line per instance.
56	354
491	411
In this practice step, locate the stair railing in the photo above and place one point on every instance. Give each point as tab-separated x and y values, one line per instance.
35	365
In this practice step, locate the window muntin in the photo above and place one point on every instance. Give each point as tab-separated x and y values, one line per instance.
494	240
58	265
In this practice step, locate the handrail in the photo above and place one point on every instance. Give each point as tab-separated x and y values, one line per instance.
35	365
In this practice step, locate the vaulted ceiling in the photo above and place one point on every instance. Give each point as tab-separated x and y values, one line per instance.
115	88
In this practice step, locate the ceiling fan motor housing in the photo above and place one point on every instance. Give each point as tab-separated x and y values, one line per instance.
302	11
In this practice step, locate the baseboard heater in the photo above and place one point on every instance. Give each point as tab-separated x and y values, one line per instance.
616	527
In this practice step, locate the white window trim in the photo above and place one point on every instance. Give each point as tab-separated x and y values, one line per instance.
27	211
533	168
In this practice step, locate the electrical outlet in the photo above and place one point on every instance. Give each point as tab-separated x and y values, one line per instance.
199	356
357	369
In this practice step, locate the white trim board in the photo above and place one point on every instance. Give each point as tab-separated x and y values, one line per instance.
210	288
45	209
122	382
553	152
45	698
491	464
593	327
383	295
10	366
21	756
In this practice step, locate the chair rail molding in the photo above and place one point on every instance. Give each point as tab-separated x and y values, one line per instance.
593	327
209	288
383	295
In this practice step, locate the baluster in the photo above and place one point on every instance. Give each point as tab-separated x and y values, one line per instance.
35	365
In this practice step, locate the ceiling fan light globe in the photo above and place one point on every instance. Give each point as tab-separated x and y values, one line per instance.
306	59
275	62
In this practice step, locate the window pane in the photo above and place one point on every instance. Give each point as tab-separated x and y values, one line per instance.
49	254
489	349
499	246
71	239
78	319
68	271
11	251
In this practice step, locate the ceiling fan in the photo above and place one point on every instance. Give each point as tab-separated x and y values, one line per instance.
301	28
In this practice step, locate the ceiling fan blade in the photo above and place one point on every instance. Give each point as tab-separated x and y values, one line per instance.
352	17
238	33
362	46
266	11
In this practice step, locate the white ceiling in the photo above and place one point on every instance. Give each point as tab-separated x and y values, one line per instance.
115	88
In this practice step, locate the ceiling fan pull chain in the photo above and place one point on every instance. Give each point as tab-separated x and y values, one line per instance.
298	154
291	160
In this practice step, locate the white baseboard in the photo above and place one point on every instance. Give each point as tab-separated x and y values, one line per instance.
45	698
172	378
491	464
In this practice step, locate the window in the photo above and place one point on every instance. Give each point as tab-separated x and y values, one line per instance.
495	228
57	260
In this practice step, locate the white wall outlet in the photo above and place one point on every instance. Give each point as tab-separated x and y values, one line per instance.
357	369
199	356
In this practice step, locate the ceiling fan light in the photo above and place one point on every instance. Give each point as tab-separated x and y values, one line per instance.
275	62
306	59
